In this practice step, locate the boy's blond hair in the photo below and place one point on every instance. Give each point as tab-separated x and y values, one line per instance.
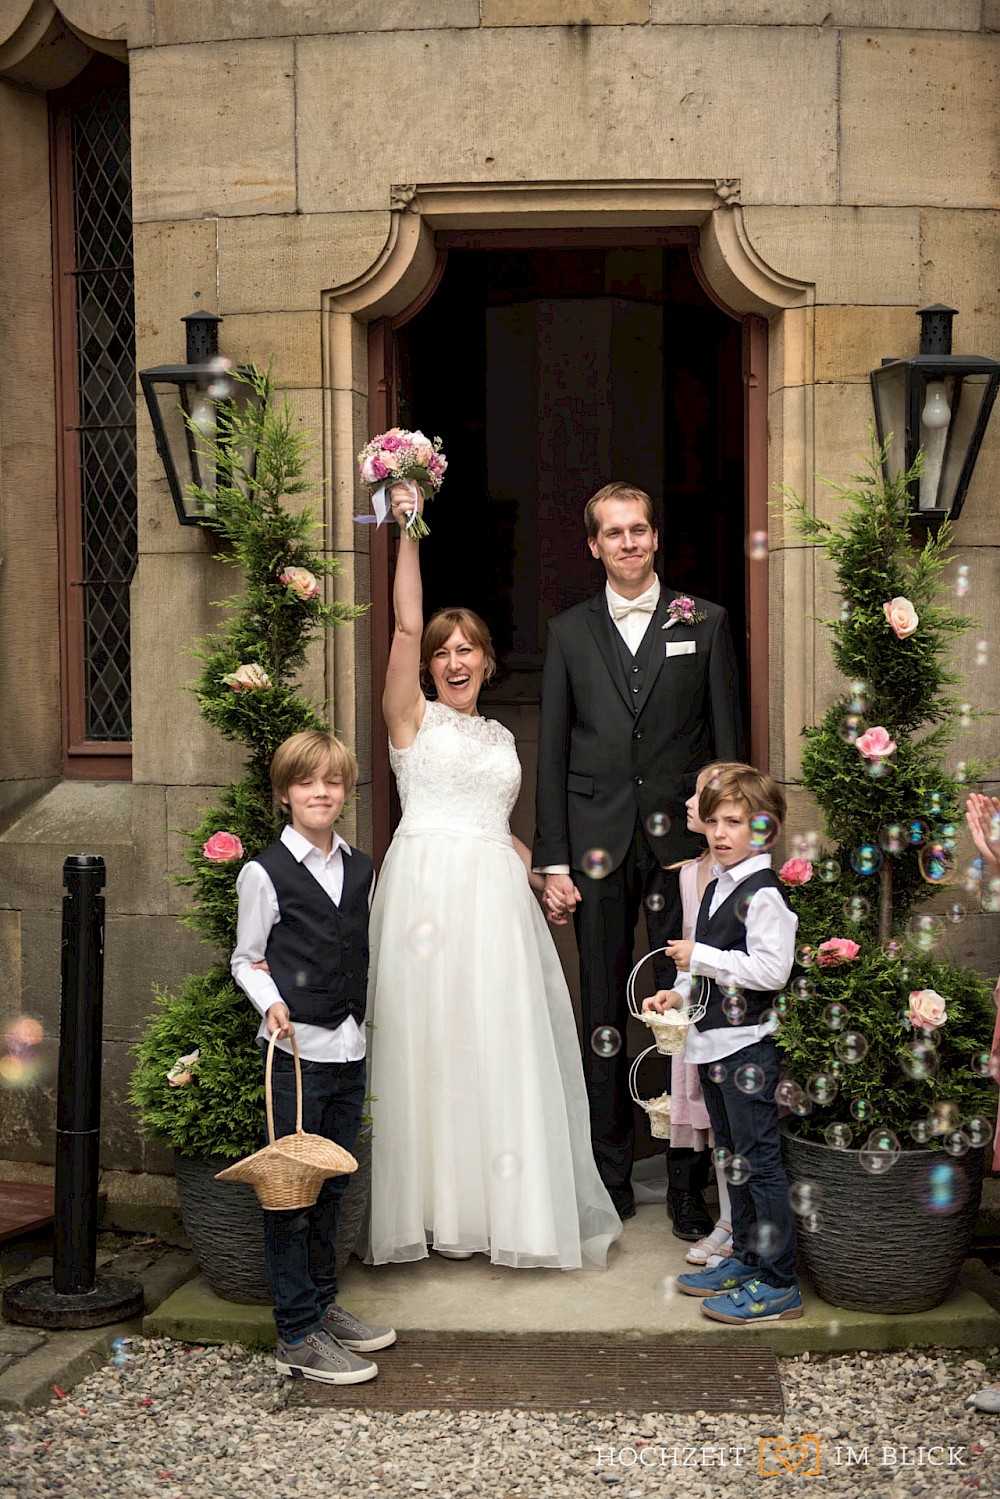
754	790
306	754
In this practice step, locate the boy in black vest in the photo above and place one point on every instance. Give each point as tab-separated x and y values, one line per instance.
741	957
302	959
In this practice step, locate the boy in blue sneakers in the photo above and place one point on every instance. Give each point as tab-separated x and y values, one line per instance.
743	950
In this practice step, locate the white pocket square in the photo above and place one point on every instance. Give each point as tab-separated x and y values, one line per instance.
681	647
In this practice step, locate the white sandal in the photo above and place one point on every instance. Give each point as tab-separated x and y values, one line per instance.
718	1242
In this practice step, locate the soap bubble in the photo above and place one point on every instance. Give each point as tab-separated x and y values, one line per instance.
947	836
737	1171
770	1022
852	726
893	949
943	1117
119	1350
805	955
721	1157
919	1060
804	1197
980	1064
22	1060
846	610
605	1041
859	697
920	1131
835	1016
879	1153
903	1017
743	908
839	1136
811	1223
962	580
982	652
965	716
923	932
828	871
734	1008
861	1109
597	863
978	1131
944	1188
785	1090
803	987
935	804
918	832
783	1004
718	1072
851	1047
879	769
866	859
507	1166
822	1088
937	864
893	838
763	831
956	1142
657	824
961	772
762	1238
749	1078
655	902
856	909
424	939
955	912
990	896
757	546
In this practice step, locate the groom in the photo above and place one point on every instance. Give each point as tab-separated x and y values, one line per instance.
634	702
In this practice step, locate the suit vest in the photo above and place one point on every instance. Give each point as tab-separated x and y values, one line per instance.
634	668
724	930
318	951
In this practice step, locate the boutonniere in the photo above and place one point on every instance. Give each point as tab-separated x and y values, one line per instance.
682	612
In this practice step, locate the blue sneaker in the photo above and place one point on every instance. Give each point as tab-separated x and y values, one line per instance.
755	1302
725	1277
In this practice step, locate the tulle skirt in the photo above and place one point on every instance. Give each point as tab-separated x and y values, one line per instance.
481	1136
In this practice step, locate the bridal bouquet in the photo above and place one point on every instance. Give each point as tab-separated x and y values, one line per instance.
399	455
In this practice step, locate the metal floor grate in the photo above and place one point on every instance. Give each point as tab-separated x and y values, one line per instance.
443	1371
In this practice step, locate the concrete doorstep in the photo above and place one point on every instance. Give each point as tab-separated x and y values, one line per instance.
633	1298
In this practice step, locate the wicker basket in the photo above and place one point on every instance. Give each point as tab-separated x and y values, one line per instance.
669	1030
289	1172
658	1109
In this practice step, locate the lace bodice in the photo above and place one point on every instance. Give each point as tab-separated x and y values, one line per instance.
459	773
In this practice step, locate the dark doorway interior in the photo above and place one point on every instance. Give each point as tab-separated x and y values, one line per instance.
548	372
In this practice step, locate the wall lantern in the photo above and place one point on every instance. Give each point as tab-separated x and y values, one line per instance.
939	402
183	401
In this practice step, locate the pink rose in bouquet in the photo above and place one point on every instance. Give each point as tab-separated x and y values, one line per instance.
222	848
903	618
301	581
836	950
927	1009
876	744
373	470
795	872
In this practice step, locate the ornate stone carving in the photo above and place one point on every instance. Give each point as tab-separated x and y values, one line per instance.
402	196
728	189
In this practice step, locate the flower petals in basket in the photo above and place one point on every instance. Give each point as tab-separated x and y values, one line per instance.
669	1029
658	1110
289	1172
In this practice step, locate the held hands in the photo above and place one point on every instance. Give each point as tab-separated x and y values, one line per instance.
560	898
663	1000
405	498
982	813
278	1019
680	954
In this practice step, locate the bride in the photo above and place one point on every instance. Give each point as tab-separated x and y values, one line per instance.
481	1139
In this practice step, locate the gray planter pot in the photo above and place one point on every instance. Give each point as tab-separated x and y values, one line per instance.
225	1224
892	1243
352	1227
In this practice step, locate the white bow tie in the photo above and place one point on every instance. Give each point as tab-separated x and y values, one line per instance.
622	608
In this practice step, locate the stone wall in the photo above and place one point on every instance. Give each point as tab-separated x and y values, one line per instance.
268	136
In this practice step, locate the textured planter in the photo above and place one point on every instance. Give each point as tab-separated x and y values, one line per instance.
225	1224
352	1227
892	1243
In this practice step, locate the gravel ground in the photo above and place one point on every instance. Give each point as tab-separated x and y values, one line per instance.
176	1423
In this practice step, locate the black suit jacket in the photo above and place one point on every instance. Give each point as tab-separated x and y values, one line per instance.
600	764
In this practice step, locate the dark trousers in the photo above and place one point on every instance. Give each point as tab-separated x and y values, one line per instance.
300	1244
605	921
747	1125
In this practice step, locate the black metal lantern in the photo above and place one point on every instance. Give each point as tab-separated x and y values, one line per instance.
183	402
940	403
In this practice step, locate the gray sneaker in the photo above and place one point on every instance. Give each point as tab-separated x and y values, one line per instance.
355	1334
321	1357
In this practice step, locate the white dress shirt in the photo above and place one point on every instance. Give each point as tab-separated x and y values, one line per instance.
631	627
765	965
258	912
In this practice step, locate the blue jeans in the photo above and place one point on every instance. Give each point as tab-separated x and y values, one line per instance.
747	1125
300	1244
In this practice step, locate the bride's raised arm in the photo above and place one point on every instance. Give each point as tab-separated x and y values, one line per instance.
402	698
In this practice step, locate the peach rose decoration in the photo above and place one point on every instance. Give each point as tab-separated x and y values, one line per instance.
903	618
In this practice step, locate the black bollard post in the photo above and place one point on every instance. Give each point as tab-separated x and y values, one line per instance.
76	1296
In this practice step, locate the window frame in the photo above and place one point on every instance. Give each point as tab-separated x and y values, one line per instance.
82	758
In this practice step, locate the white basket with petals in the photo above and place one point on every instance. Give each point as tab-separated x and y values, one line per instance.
670	1029
658	1109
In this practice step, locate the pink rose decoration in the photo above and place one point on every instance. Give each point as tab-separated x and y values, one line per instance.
902	617
836	951
927	1009
182	1071
796	872
437	465
301	581
392	442
222	848
876	744
389	462
373	469
249	677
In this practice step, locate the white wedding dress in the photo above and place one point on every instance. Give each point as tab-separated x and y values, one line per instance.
481	1134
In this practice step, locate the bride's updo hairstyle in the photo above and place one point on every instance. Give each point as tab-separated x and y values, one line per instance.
440	628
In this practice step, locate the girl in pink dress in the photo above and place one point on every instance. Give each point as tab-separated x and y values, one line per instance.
689	1126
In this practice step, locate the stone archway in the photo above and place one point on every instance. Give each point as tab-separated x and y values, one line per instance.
734	275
